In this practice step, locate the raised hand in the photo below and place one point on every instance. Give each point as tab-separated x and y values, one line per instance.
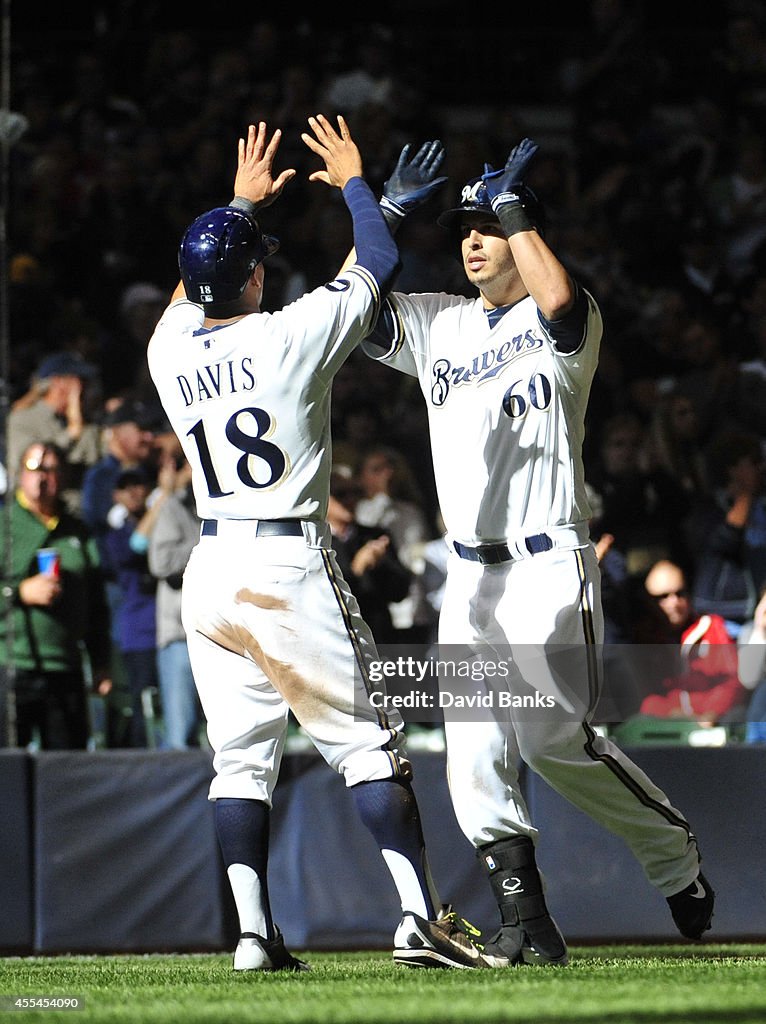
255	158
504	185
338	150
413	181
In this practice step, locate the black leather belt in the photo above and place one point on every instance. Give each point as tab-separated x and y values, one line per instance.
264	528
494	554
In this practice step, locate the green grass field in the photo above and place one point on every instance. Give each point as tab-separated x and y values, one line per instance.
703	984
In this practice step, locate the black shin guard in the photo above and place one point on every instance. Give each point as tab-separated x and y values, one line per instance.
528	933
515	880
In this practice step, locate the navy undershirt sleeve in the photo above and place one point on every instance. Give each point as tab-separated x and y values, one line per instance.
376	249
569	332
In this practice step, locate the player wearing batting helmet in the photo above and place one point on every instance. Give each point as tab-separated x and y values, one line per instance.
506	378
271	624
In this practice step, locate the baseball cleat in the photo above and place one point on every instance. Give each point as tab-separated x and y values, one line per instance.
445	942
539	942
692	908
255	953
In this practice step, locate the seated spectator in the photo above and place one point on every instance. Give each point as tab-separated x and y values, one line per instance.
705	687
54	411
367	559
751	646
53	616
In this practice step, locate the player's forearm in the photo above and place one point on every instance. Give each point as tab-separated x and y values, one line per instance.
374	245
544	277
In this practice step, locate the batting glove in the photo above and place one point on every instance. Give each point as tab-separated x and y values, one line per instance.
506	187
412	183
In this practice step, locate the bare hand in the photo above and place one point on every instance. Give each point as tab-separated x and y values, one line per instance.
255	158
603	545
339	152
40	590
759	616
102	684
369	555
74	415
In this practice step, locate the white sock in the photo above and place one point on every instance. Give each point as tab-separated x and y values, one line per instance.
246	887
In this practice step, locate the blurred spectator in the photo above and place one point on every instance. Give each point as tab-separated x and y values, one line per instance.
368	74
708	375
641	508
701	273
673	442
55	411
128	440
706	687
94	115
123	359
739	61
129	526
128	443
391	501
367	559
726	531
735	199
58	620
176	531
751	646
750	387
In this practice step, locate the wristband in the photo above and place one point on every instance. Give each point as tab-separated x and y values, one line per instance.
393	213
511	214
245	205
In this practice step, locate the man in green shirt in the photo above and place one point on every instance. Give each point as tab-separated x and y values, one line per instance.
54	626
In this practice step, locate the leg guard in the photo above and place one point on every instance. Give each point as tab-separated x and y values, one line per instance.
528	933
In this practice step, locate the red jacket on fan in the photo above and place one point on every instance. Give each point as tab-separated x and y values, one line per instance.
709	687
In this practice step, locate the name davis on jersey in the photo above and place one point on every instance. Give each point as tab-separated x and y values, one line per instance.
215	380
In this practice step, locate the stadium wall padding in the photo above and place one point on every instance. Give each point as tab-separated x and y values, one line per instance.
115	851
16	852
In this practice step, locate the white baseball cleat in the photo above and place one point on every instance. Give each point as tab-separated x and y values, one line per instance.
255	953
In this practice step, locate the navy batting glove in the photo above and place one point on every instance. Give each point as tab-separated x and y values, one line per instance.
413	182
505	185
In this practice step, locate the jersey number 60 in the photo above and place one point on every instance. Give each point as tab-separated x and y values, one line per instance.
536	392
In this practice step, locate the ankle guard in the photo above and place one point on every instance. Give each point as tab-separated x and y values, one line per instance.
514	878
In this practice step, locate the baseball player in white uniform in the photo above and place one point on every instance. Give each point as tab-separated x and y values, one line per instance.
270	621
506	378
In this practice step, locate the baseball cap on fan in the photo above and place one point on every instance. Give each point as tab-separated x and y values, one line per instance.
65	364
130	411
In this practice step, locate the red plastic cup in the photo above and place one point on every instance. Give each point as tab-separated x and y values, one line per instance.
49	562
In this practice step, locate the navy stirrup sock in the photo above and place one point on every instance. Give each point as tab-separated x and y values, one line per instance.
389	810
242	827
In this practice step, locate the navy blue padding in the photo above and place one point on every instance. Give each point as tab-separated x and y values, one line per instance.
126	856
16	859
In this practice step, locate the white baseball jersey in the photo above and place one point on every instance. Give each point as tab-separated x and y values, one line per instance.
250	401
506	413
270	622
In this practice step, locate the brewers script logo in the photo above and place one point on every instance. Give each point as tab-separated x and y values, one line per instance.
486	366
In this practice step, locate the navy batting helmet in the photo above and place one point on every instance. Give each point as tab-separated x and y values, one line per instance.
219	252
475	199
